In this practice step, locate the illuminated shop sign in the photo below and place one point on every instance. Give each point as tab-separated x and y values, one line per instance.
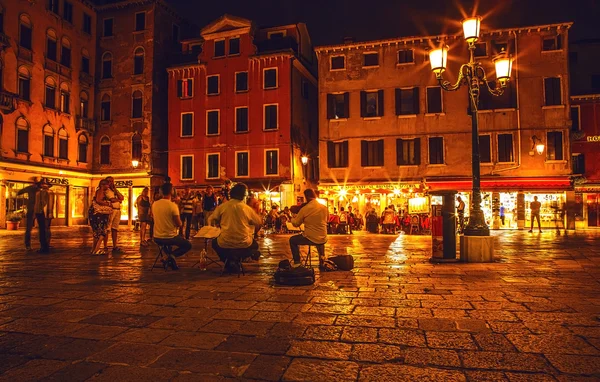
390	187
57	181
593	138
123	183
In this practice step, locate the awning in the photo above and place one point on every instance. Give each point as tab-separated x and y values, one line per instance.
503	184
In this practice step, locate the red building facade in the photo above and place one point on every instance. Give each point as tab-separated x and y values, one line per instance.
242	106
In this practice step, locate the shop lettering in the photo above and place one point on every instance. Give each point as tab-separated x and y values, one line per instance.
371	186
61	181
593	138
123	183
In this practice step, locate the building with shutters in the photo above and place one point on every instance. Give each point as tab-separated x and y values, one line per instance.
243	107
388	134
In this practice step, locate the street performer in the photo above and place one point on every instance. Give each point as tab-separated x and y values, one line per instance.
314	216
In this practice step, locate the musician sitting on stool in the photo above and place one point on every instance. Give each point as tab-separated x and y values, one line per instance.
238	222
314	216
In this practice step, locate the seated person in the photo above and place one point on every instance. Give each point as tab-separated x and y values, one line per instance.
238	222
344	225
333	221
389	220
314	217
166	227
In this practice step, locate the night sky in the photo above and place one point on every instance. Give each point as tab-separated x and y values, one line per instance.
329	21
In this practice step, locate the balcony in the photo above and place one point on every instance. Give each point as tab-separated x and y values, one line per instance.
7	101
86	124
52	65
25	54
4	41
65	71
86	78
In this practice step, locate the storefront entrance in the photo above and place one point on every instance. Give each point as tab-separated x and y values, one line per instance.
593	210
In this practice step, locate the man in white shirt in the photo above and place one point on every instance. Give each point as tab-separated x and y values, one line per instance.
314	216
238	222
166	226
114	219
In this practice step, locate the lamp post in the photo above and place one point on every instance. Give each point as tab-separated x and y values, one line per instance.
473	76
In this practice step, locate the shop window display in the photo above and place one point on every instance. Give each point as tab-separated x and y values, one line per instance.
125	203
551	211
79	206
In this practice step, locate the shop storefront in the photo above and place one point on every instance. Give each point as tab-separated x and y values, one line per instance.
130	188
587	206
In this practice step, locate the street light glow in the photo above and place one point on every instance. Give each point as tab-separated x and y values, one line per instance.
135	163
304	160
503	65
471	27
438	59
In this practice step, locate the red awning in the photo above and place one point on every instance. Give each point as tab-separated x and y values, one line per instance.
504	184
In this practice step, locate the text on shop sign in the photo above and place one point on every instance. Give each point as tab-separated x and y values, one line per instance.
123	183
61	181
593	138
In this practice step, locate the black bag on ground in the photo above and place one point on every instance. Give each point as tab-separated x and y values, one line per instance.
286	275
343	262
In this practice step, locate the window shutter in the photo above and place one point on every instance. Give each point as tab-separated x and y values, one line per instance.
345	153
380	102
417	150
330	111
330	154
363	103
364	157
398	148
416	100
347	108
190	91
398	101
179	88
559	39
380	152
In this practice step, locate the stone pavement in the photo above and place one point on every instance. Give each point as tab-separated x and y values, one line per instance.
534	315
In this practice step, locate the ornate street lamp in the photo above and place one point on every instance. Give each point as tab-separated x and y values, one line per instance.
304	160
538	145
473	76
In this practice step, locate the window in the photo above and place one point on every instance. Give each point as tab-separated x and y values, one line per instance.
337	154
212	164
138	61
338	106
53	6
83	104
136	104
552	91
85	62
270	78
50	93
304	89
507	100
68	11
434	100
406	56
105	108
175	33
271	120
370	59
371	104
241	82
234	46
407	101
63	144
105	150
22	135
24	83
408	152
575	119
187	167
241	119
555	145
107	65
107	28
65	52
271	162
499	47
187	125
212	85
136	146
578	161
212	122
25	32
338	62
82	147
140	21
276	35
480	49
242	163
65	98
505	148
51	45
185	88
48	141
436	150
371	153
551	43
219	48
87	23
485	149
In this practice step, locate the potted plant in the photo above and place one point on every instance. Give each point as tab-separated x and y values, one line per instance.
12	220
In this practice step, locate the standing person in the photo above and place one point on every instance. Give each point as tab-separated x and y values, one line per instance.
142	204
535	213
43	209
186	206
114	219
253	202
461	213
99	221
314	216
502	213
225	191
198	214
209	203
30	191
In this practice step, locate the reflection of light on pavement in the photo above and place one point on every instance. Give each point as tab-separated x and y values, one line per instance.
396	251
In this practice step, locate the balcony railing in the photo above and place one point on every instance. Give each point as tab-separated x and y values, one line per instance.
4	40
25	54
7	101
87	124
52	65
86	78
65	71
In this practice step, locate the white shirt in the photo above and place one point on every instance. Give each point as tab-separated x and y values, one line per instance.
236	219
163	211
314	215
110	194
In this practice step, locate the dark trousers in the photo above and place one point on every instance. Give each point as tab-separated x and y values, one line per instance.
221	252
43	231
502	218
183	246
536	217
28	227
297	240
186	220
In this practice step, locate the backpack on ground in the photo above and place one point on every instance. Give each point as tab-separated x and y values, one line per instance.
343	262
288	275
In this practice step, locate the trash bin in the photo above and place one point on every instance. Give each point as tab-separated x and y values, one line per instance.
443	226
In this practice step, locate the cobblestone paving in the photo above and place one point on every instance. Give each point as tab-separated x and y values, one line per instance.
533	315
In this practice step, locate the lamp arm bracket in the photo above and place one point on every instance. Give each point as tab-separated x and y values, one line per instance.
463	75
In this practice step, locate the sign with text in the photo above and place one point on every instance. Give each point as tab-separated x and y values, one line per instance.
57	181
123	183
370	186
593	138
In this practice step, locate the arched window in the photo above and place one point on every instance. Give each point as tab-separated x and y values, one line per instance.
50	86
136	147
138	61
105	150
107	65
24	83
22	135
85	61
82	147
65	98
83	104
136	110
51	45
65	52
105	108
63	143
48	141
25	31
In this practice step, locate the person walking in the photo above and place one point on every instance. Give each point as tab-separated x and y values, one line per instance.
186	206
535	213
99	218
502	214
142	204
30	191
114	219
198	213
209	203
460	210
43	209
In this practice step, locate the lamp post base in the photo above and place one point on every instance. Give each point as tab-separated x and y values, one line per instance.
476	226
476	249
